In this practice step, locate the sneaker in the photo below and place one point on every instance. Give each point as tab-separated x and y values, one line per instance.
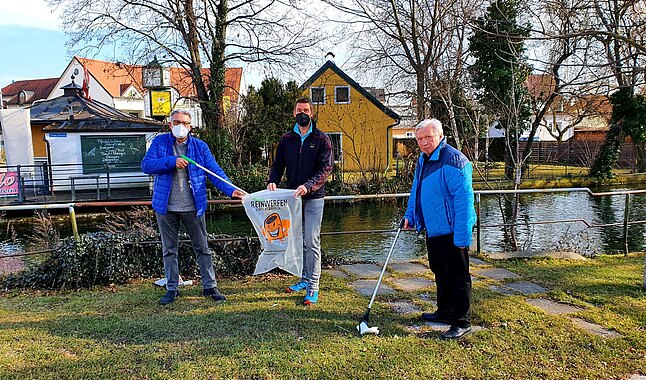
311	297
214	294
296	287
169	297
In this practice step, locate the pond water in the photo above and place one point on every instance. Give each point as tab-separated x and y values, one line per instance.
385	215
575	236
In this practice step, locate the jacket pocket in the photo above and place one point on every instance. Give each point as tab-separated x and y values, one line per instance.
447	210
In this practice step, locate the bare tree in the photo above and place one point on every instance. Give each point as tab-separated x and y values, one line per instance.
193	34
411	44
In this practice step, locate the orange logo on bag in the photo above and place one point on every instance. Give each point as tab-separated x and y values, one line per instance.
275	228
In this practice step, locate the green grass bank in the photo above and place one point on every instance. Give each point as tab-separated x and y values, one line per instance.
120	332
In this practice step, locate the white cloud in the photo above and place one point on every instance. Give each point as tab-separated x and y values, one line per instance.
29	13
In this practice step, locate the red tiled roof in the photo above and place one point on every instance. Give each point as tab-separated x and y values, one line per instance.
40	89
113	76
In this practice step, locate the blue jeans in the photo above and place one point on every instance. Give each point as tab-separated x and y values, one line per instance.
196	228
312	217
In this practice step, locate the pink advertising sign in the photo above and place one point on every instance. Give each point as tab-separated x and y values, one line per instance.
8	184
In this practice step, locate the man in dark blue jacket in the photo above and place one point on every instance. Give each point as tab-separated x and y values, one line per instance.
179	195
306	153
441	202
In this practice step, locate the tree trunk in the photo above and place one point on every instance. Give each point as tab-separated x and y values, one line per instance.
609	152
641	157
419	96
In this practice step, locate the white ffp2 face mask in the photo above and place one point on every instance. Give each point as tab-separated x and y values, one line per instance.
180	131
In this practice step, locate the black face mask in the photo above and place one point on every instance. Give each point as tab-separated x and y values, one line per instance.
302	119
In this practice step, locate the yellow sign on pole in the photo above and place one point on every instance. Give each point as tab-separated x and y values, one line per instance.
160	103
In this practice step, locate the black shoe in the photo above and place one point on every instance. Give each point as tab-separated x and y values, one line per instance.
214	293
169	297
456	332
435	317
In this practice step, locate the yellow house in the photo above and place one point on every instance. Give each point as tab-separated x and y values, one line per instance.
359	125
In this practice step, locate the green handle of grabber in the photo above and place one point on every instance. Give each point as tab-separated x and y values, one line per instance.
190	160
213	174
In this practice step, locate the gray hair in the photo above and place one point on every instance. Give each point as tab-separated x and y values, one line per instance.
433	123
181	111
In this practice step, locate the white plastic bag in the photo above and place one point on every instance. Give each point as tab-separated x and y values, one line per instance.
277	218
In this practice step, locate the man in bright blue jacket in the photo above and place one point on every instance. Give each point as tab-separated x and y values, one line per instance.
441	202
179	195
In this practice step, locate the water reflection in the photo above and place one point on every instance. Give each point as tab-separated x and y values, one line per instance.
386	215
533	208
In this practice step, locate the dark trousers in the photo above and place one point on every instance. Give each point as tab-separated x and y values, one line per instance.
450	265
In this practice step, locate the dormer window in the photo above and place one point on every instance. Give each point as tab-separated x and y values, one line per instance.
24	96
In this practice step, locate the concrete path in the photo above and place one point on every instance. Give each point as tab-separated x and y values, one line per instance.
412	277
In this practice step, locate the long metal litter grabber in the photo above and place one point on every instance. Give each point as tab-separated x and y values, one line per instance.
362	327
213	174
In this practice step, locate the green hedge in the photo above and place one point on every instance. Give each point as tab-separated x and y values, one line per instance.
104	258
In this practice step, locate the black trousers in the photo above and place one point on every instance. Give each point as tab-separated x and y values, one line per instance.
450	265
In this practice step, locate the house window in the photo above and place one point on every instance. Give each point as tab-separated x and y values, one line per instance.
342	95
317	95
410	134
336	146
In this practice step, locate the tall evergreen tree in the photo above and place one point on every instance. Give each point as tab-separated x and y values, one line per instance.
268	114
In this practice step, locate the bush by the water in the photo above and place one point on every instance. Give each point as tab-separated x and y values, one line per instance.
103	258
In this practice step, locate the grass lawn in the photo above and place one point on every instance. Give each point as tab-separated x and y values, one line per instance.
121	332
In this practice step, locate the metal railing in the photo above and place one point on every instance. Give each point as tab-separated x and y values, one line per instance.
44	183
478	227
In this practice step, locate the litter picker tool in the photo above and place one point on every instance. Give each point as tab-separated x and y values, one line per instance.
362	327
213	174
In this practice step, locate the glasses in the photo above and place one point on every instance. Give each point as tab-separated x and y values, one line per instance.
178	122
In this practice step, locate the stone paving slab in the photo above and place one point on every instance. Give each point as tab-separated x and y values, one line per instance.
408	267
526	287
411	284
595	329
439	327
403	307
337	273
477	261
495	273
363	270
366	287
552	307
530	254
501	289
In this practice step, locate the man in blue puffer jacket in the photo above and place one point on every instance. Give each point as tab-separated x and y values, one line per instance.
179	195
441	202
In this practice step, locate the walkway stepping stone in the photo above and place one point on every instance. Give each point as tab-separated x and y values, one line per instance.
403	307
337	273
501	289
477	261
411	284
530	254
439	327
409	268
526	287
637	377
366	287
552	307
363	270
595	329
495	273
